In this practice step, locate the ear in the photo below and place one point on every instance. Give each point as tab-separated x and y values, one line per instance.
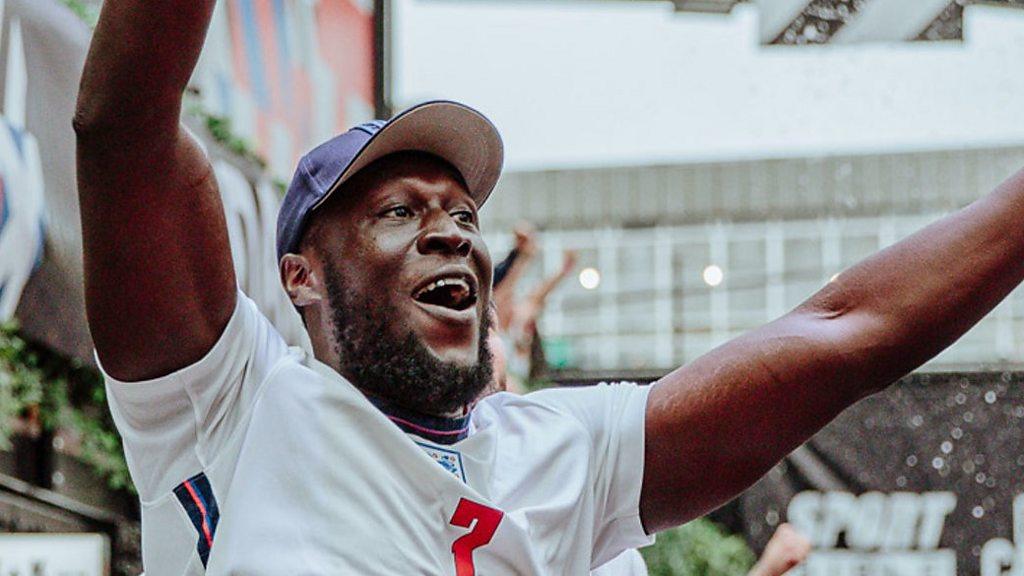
302	283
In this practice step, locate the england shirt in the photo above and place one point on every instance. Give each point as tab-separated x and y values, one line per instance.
258	459
629	563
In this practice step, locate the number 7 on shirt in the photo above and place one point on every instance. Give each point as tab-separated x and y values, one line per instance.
480	533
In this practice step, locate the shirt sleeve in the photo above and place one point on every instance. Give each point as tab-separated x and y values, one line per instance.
613	415
175	425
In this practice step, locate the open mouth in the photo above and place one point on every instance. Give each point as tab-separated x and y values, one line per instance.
454	292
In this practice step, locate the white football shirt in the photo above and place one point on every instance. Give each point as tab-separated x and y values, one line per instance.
259	459
629	563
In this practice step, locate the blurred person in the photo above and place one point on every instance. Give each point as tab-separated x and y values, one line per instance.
518	317
251	457
524	248
787	549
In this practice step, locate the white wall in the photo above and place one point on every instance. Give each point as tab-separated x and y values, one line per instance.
604	83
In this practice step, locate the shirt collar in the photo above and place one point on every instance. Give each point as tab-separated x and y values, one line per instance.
445	430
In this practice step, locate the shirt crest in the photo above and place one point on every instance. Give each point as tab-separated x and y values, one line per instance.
450	460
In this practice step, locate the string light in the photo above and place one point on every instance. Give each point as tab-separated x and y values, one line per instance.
713	275
590	278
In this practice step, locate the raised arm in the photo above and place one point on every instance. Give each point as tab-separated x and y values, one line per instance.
159	283
505	292
539	296
716	425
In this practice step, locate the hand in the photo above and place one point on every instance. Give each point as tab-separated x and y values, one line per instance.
786	549
569	259
526	239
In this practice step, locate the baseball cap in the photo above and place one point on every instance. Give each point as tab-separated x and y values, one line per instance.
452	131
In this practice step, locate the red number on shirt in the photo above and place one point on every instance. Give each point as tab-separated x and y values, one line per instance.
480	533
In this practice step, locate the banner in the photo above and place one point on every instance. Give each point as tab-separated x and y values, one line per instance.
287	73
924	479
21	213
54	555
42	49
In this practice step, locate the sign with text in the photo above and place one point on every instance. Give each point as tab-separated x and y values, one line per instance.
894	533
926	478
54	555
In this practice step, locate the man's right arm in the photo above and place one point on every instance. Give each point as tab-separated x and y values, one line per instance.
159	281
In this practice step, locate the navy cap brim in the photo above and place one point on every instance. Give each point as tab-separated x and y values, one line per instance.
454	132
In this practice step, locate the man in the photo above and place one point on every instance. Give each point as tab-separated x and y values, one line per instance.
517	317
251	458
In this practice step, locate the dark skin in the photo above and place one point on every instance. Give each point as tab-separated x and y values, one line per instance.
159	283
160	286
406	220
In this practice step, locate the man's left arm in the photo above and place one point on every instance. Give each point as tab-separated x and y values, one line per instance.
714	426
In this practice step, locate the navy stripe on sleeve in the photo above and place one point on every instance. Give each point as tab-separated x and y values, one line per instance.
196	496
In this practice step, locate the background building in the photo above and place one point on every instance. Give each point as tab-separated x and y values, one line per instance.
692	255
770	143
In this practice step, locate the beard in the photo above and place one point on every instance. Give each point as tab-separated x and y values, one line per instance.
384	358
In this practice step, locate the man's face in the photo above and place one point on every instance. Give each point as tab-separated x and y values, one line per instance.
403	258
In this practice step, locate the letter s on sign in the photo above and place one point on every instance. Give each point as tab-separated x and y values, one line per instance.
803	513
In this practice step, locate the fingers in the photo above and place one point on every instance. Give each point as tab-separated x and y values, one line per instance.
569	259
786	549
526	238
789	546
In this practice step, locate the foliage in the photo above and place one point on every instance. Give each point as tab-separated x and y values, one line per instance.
66	395
220	130
88	418
87	11
699	548
21	386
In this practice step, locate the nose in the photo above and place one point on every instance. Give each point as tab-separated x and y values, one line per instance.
444	236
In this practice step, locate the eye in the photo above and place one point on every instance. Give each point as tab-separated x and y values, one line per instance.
464	216
398	212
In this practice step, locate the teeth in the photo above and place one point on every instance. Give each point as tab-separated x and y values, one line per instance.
444	282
